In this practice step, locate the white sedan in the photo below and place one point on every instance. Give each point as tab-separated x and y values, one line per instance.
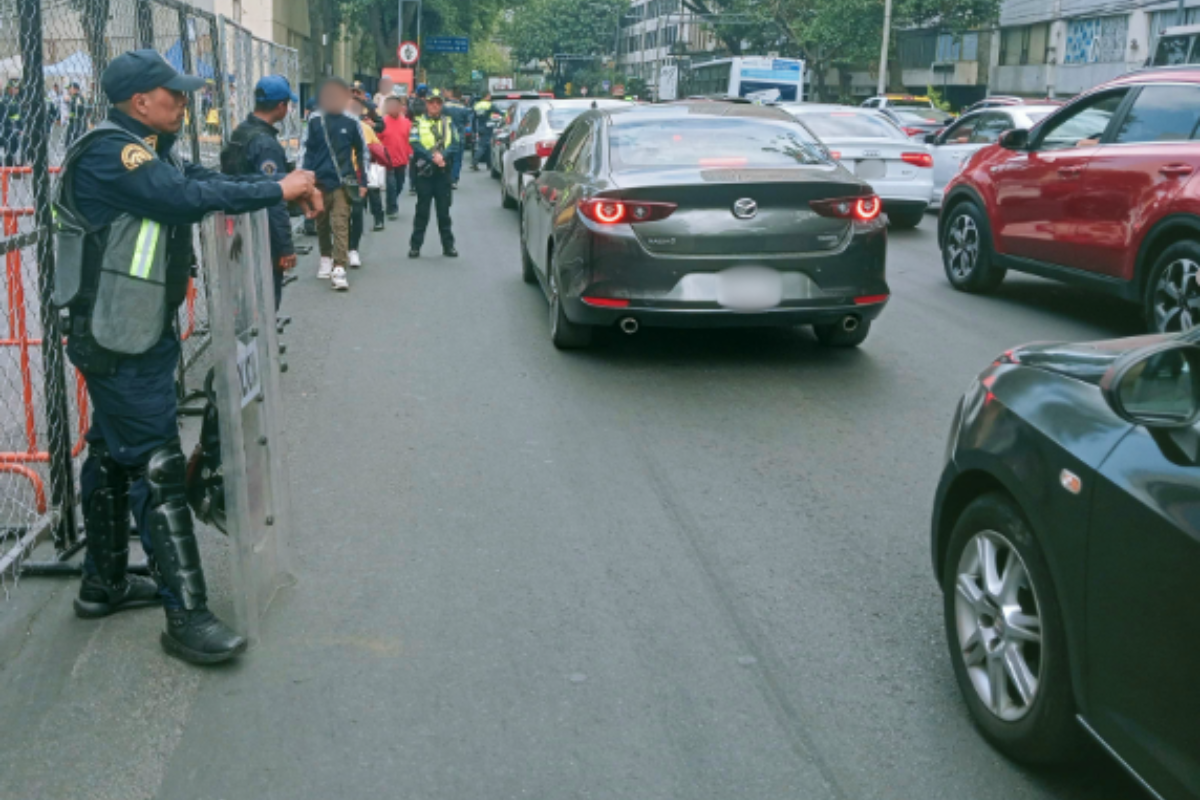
954	146
875	149
537	133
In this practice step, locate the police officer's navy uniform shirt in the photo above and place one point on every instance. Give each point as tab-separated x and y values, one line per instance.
116	176
265	156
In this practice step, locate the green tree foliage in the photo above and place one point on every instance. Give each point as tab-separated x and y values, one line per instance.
833	33
543	29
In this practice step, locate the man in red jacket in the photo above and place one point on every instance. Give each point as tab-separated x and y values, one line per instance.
395	139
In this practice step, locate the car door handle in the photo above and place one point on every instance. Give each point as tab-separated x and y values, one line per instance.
1070	172
1176	170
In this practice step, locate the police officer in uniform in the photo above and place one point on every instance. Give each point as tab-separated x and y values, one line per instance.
484	125
254	149
433	141
12	125
76	114
125	209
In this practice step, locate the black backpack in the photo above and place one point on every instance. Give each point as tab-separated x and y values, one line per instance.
233	154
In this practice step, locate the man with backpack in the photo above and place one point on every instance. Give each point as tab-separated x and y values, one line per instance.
254	149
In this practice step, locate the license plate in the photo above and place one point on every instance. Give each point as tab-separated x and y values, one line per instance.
871	168
749	288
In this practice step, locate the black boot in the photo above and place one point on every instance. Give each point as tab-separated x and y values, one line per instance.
450	252
198	637
106	521
193	633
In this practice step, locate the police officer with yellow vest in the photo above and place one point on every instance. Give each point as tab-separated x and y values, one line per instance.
125	209
434	142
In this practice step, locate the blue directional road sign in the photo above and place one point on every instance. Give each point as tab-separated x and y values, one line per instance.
447	44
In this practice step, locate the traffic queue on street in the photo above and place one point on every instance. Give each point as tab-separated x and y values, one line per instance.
1065	534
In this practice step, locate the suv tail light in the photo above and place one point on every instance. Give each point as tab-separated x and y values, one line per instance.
860	209
917	159
912	131
610	212
544	149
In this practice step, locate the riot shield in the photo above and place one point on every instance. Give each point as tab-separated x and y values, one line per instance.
246	365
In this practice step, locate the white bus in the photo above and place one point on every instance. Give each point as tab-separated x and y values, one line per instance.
768	80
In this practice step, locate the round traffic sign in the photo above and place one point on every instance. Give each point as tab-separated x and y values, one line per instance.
408	53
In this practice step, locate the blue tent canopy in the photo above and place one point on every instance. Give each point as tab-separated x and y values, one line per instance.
78	65
174	56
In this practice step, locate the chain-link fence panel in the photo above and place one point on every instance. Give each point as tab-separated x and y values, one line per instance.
52	53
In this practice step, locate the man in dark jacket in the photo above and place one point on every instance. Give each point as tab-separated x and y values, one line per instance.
12	124
254	149
333	144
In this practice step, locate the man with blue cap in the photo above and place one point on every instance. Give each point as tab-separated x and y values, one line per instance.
125	209
254	149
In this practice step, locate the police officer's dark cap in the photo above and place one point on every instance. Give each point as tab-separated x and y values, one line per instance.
141	71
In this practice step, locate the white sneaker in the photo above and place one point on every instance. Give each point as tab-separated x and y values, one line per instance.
326	268
338	279
355	261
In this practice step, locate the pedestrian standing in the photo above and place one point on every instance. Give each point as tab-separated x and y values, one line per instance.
433	141
397	128
366	168
12	125
461	116
254	149
333	142
386	87
76	114
125	186
484	124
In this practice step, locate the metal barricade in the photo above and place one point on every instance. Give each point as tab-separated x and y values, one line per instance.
53	52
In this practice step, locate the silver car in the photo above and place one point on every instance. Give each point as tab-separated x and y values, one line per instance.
874	149
541	124
954	146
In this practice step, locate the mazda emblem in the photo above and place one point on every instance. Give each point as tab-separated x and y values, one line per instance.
745	208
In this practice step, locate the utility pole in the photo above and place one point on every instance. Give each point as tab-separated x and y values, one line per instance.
883	50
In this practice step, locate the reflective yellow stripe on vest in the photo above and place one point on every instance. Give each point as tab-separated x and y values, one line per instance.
143	254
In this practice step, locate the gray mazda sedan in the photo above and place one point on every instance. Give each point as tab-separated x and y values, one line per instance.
700	214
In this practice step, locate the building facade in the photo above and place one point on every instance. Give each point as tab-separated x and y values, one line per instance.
657	32
1058	48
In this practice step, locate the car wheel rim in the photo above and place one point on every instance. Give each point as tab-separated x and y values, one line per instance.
1177	296
999	626
962	246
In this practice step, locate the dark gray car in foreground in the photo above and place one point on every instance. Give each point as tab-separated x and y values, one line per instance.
696	215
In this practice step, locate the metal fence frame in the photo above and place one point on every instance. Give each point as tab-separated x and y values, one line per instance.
42	398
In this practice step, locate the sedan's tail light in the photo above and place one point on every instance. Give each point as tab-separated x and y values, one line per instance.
912	131
610	212
917	159
862	209
544	149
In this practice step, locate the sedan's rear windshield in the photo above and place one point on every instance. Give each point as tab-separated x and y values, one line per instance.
910	103
851	125
560	118
925	115
712	142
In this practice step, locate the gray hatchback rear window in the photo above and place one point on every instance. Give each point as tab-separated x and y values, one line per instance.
712	142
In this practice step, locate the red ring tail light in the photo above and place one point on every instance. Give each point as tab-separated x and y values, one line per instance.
867	208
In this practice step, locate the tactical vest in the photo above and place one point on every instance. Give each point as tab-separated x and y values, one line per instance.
430	131
123	280
233	155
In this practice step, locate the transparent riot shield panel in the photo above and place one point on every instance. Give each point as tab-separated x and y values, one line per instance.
246	361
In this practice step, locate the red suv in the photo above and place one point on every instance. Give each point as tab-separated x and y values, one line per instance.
1102	193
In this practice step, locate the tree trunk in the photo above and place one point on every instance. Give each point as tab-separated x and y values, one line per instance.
385	50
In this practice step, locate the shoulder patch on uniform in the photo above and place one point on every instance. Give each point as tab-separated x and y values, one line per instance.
269	167
152	141
134	155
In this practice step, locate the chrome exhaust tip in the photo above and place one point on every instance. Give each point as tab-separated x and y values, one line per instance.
629	326
849	323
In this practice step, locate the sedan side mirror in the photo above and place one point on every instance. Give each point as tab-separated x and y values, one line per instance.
1157	387
529	165
1016	139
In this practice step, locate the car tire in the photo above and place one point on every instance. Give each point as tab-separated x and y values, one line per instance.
1172	299
967	251
991	537
564	334
833	335
905	220
506	200
527	269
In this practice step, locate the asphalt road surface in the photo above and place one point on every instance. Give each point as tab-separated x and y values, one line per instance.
679	565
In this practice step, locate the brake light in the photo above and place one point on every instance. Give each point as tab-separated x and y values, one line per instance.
606	302
861	209
610	212
917	159
544	149
912	131
835	155
870	299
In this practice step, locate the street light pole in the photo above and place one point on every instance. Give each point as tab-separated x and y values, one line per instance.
883	50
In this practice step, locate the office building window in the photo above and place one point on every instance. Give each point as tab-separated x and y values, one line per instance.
1096	40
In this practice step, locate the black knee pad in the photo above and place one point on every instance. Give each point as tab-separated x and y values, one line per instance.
171	527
